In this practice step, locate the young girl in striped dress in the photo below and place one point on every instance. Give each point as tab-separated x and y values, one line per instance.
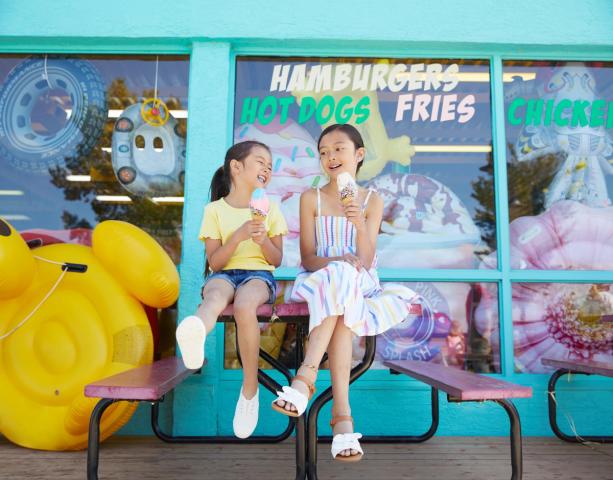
340	284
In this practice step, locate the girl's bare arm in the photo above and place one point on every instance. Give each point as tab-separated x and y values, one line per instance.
368	230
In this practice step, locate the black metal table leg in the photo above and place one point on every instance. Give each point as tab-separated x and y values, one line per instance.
516	450
553	413
93	441
301	427
325	397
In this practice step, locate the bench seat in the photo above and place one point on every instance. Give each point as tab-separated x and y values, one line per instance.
148	382
581	366
459	384
462	386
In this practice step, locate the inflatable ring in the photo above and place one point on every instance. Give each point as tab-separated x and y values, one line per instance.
143	166
25	90
93	325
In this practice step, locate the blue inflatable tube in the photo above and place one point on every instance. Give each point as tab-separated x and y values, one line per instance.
23	145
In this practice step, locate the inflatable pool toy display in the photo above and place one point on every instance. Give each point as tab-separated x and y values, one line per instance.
553	319
60	330
51	110
148	152
586	150
38	237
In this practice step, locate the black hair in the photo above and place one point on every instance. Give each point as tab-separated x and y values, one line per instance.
221	182
350	131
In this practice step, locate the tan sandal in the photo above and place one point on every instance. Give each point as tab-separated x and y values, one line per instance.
346	441
295	397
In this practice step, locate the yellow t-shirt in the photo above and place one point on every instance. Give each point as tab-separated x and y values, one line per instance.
221	220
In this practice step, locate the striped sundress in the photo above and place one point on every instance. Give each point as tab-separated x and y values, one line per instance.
340	289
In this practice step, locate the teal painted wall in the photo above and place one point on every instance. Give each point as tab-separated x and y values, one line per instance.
519	22
213	33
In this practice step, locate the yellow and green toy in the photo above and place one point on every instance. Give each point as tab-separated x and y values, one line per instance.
154	112
69	315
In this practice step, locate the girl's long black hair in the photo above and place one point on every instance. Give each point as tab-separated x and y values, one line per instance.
221	182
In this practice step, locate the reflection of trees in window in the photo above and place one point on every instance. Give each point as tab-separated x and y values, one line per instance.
527	183
480	354
163	222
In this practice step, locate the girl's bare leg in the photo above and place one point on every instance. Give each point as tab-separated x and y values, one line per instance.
217	295
192	330
339	360
246	301
319	338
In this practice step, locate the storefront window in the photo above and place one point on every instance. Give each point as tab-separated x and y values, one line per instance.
561	321
559	124
427	130
426	125
79	145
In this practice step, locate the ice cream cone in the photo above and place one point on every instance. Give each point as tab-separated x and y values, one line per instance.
347	188
259	205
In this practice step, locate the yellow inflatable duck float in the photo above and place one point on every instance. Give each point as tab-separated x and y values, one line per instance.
69	315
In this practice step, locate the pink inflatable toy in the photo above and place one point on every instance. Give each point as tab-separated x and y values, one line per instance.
558	320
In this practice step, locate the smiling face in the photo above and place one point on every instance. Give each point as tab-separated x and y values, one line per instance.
337	154
255	171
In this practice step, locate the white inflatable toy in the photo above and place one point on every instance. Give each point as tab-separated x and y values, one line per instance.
147	159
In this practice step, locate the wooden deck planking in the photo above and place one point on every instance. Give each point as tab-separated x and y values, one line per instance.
442	458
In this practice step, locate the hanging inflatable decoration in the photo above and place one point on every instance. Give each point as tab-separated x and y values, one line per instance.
51	110
148	153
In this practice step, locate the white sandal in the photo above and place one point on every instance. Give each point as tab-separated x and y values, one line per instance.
346	441
295	397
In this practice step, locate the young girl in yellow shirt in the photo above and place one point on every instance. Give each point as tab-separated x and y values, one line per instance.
241	256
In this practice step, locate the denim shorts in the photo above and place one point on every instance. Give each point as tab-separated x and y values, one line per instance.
236	278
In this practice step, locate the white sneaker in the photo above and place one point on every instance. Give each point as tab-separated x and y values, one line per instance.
191	336
246	415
